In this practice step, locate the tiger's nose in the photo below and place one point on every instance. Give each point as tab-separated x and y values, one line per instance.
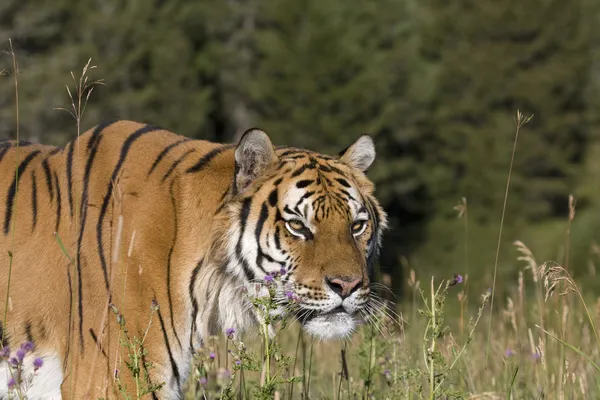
344	286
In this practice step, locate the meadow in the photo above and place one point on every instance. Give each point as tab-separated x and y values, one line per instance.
446	339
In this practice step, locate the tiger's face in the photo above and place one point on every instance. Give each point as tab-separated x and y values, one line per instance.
312	222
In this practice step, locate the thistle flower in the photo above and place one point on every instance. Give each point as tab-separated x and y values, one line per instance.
292	297
37	363
268	279
20	355
211	355
456	280
229	332
203	381
282	271
11	384
13	361
5	352
27	346
509	353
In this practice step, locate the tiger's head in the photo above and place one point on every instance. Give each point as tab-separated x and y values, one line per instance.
312	221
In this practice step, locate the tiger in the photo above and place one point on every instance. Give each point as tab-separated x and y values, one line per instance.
135	220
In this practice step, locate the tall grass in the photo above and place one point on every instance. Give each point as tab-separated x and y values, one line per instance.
528	349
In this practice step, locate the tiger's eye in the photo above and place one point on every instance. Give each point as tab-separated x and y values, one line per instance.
358	227
296	225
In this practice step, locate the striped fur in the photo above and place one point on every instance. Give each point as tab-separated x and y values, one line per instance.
146	215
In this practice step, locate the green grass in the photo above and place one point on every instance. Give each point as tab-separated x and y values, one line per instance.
538	341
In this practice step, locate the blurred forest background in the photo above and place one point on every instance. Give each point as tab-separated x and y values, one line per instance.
437	83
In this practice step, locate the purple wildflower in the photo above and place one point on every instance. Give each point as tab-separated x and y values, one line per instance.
13	361
11	383
229	332
238	362
20	355
211	355
203	381
154	305
5	352
27	347
268	278
292	297
509	353
282	271
37	363
535	356
456	280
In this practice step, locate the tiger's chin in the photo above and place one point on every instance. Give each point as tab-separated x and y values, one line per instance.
331	326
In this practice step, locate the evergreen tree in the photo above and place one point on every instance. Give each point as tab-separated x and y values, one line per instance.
490	59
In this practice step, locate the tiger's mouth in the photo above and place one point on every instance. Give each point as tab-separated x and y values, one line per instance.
330	325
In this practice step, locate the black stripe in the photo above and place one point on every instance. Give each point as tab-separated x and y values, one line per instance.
92	149
244	213
273	198
303	168
3	342
337	170
169	263
58	202
33	200
164	153
176	163
343	182
48	175
374	248
12	190
262	218
166	339
303	183
289	152
4	149
70	176
124	151
69	329
277	239
194	301
222	201
28	333
305	196
95	339
206	159
149	382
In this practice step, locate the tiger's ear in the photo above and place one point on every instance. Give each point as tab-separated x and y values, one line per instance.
253	155
359	154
